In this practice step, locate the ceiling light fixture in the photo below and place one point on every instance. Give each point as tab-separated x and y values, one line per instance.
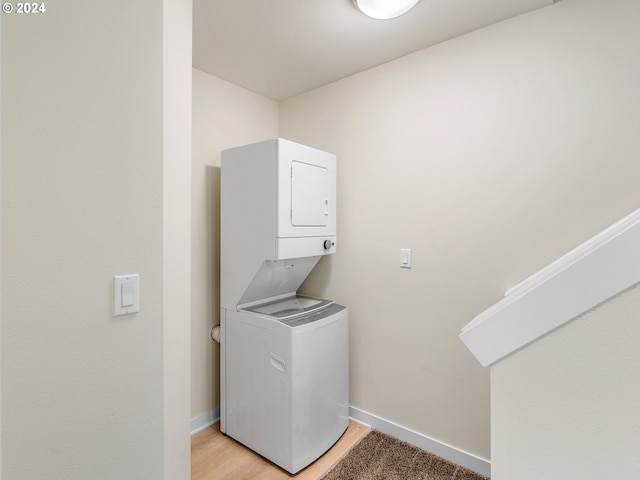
384	9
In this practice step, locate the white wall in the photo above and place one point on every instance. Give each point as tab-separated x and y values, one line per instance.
224	116
566	406
177	72
490	155
82	200
1	243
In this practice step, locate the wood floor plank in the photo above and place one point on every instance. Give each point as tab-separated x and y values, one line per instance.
215	456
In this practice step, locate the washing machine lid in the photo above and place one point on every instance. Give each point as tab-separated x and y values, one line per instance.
277	279
291	307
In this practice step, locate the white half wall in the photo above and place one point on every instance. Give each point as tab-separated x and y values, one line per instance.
583	278
566	406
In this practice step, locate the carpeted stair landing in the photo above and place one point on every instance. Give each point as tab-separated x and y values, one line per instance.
381	457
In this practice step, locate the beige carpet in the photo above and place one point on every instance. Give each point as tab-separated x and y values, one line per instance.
381	457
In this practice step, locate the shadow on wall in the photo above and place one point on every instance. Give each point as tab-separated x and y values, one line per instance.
212	189
316	284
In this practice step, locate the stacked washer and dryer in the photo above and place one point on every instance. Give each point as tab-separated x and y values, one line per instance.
284	386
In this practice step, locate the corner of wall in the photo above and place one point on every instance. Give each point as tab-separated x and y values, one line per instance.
177	72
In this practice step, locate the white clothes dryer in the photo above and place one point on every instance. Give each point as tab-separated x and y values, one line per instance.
284	359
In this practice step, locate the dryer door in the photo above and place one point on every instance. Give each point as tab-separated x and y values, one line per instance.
306	191
309	195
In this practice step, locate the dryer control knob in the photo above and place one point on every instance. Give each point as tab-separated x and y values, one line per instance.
327	244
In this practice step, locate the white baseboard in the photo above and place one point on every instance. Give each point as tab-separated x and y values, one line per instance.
204	420
459	457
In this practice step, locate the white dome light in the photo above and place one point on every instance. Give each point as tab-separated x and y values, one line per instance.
384	9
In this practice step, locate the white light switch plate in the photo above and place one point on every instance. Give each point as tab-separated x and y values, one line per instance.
126	294
405	258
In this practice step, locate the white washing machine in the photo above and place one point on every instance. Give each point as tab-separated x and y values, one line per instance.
284	358
287	381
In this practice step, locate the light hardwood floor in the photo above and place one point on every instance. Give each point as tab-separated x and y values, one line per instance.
215	456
